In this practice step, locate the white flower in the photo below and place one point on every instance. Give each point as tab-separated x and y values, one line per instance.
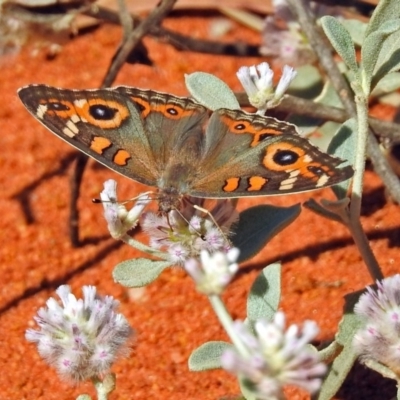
288	74
81	338
257	81
119	219
275	357
215	272
380	339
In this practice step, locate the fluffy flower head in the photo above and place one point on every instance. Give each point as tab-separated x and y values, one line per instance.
214	272
275	357
380	339
81	338
185	233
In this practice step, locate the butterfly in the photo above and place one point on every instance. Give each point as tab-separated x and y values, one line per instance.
182	148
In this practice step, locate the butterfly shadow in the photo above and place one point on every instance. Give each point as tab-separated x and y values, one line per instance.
61	280
23	197
314	251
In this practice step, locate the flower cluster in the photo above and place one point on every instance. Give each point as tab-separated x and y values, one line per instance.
185	233
380	339
119	219
82	337
275	357
257	81
214	272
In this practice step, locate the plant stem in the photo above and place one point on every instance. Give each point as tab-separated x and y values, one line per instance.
227	323
144	248
361	149
361	241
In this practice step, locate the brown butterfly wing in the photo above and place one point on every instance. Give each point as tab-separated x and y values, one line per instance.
251	155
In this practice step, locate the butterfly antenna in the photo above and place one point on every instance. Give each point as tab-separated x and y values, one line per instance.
98	201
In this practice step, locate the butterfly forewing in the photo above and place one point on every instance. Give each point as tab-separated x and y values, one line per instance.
101	123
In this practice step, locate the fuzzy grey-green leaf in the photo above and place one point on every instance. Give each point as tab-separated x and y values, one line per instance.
388	84
343	146
211	91
356	29
138	272
265	294
388	59
373	49
208	356
384	11
259	224
338	372
341	41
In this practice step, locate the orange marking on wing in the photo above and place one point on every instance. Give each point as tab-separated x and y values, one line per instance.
145	106
275	148
231	184
121	113
241	127
172	111
65	114
121	157
299	164
99	144
80	108
256	183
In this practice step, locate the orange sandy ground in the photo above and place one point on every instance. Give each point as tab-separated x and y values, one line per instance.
320	262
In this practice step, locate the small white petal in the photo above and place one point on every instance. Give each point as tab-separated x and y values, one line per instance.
288	74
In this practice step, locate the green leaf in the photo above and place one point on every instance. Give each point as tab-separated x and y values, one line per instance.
342	364
210	91
350	322
248	390
388	84
307	83
257	225
341	41
265	294
373	47
208	356
338	372
312	205
138	272
384	11
343	146
326	130
388	59
356	30
83	397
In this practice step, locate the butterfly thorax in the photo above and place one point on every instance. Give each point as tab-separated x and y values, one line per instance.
173	184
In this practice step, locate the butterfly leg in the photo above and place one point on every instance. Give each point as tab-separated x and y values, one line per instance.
207	212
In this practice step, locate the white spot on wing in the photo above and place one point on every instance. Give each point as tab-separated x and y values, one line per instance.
307	158
70	129
41	110
322	180
288	183
75	118
80	102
